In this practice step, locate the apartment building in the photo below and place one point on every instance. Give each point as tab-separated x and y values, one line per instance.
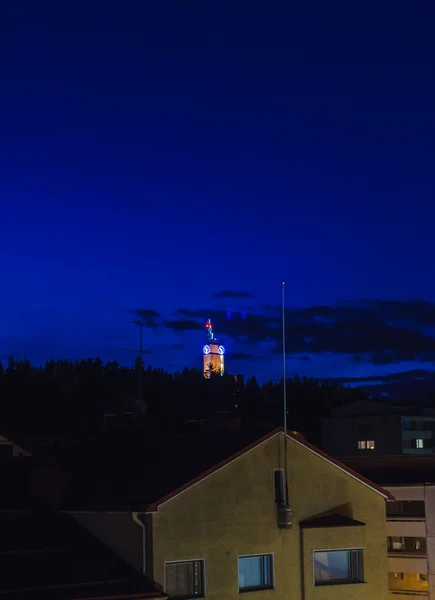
220	516
410	521
367	427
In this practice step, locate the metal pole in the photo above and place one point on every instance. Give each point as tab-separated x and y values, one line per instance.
283	361
140	366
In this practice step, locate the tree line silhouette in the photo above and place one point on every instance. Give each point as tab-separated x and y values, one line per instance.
72	399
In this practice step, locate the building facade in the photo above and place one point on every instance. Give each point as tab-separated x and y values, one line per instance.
223	533
365	427
410	521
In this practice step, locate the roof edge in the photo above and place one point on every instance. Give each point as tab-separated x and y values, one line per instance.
299	439
339	465
153	506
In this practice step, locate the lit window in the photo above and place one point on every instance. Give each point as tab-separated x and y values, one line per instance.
370	445
419	444
255	572
338	566
185	579
361	445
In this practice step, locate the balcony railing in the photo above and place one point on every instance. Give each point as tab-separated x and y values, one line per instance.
405	518
419	593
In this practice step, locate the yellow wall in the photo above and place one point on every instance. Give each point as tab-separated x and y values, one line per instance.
233	512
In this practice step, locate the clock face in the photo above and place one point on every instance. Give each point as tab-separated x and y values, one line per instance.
221	350
206	349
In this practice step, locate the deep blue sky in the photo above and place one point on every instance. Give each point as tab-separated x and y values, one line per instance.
156	154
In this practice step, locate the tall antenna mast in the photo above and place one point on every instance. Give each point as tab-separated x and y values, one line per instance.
141	351
283	362
284	509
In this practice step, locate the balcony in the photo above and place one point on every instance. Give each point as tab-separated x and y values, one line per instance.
407	545
405	586
407	594
406	527
407	564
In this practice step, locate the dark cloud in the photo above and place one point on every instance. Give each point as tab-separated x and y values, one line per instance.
404	387
244	356
380	332
389	378
149	317
183	325
231	294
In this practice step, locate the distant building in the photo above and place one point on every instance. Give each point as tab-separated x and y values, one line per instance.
367	427
410	521
213	353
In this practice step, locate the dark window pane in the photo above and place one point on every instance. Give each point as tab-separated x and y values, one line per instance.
279	486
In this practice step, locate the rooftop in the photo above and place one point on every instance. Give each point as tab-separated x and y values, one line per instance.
49	556
147	469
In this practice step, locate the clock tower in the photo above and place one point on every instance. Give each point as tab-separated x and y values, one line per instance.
213	353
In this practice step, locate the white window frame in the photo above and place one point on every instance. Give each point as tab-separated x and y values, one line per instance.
336	550
186	560
272	554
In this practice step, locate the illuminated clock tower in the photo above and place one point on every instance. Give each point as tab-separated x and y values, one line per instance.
213	353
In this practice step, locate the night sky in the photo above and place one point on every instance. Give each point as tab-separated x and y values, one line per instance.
175	161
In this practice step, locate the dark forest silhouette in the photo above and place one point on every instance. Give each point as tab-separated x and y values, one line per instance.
73	400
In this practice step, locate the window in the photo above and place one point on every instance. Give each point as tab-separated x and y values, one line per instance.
255	572
366	445
338	566
419	443
279	485
185	579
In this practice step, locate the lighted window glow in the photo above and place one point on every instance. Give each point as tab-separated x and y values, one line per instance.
366	445
419	443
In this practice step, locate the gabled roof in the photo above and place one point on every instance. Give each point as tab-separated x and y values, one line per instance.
143	473
334	520
296	437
